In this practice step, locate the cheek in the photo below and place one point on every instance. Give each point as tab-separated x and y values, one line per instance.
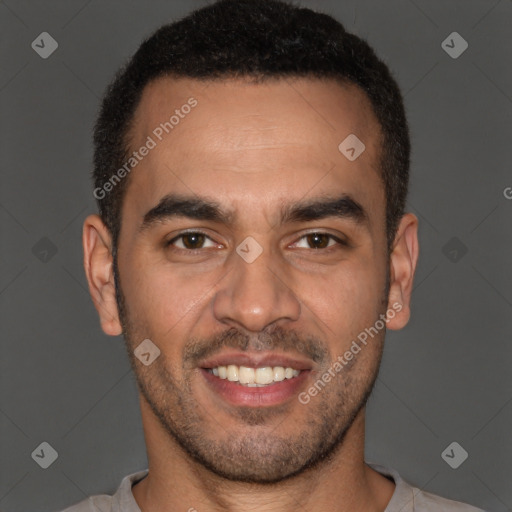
347	299
163	299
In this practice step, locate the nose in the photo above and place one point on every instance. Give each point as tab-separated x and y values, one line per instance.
256	294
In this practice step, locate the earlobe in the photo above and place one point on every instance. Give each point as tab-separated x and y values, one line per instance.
97	246
402	263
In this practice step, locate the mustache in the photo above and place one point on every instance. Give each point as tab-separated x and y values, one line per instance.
275	339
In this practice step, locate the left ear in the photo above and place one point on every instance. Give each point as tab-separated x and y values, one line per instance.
403	259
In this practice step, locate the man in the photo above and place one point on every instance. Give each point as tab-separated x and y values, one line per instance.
251	170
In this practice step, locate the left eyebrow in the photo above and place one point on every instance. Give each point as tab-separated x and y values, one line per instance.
344	207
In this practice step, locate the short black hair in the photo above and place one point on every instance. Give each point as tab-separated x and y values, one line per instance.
258	40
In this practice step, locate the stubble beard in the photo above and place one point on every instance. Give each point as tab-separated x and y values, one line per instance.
261	448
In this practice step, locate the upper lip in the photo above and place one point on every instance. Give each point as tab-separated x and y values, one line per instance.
257	360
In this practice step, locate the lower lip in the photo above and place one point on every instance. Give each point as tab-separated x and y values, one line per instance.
272	394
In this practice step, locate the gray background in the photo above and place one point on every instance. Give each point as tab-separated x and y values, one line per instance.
446	377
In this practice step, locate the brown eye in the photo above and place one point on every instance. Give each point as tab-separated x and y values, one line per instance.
318	240
192	240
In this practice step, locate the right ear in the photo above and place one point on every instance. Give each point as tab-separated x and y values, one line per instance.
98	265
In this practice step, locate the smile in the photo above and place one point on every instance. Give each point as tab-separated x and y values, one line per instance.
254	377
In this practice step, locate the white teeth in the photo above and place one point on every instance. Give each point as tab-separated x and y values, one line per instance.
264	375
246	375
233	373
254	377
278	373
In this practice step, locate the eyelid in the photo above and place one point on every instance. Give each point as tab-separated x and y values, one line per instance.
187	232
339	239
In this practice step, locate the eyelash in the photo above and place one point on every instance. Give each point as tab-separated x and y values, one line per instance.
339	241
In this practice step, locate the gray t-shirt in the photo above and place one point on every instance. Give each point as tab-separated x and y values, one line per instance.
406	498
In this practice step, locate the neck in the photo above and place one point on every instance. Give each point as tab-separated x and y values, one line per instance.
342	483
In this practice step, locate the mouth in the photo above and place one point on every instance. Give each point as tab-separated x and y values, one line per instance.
254	377
247	380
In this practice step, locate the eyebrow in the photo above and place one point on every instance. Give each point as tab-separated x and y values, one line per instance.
172	205
344	207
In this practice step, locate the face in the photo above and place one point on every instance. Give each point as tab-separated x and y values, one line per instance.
253	253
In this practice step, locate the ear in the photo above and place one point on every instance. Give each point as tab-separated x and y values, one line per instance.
403	259
98	265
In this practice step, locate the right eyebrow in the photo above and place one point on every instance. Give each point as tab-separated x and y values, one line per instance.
173	205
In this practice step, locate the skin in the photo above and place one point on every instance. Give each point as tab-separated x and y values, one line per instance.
254	148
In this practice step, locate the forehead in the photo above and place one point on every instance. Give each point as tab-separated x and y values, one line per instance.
230	104
272	139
